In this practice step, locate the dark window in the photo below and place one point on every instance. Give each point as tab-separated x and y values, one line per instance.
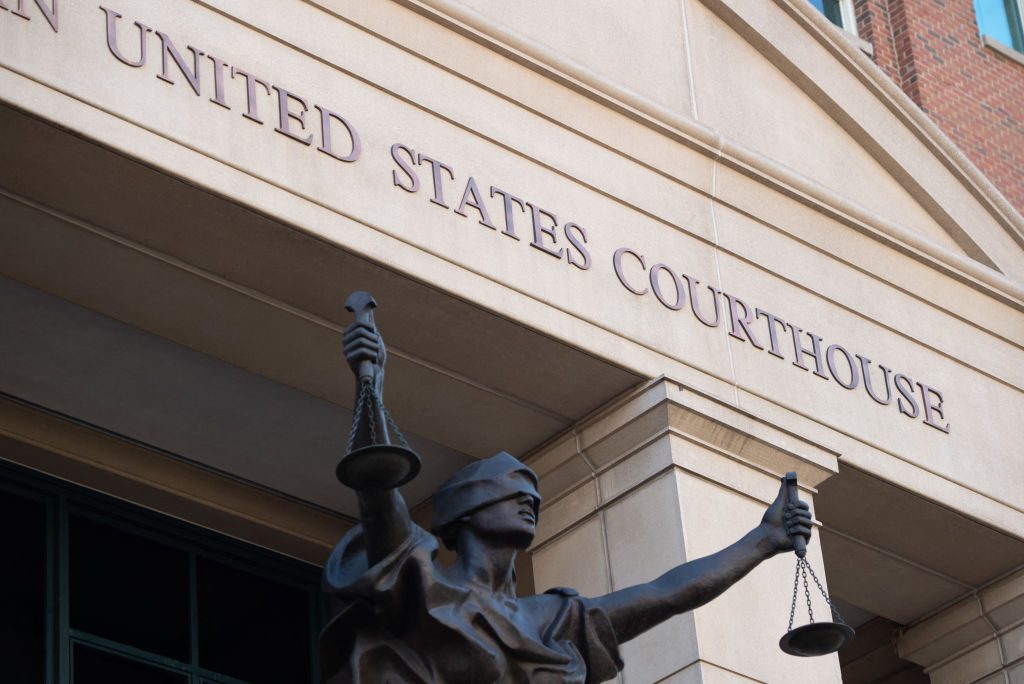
129	589
250	627
23	589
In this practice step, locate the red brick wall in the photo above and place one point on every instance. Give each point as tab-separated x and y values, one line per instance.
874	24
933	51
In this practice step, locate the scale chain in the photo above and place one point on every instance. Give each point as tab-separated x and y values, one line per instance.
807	592
835	612
367	387
357	413
367	400
796	587
392	424
802	568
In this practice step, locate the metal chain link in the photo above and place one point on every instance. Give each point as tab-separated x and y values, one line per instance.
357	413
807	591
796	587
835	611
392	424
368	400
802	568
369	414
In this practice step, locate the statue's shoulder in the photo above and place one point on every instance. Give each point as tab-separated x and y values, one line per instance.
551	602
545	609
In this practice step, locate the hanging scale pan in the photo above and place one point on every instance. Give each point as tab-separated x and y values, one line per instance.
378	466
816	638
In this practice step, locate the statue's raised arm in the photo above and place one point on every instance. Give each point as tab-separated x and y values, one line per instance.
634	610
382	510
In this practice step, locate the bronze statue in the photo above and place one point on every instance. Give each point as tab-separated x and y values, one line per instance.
405	618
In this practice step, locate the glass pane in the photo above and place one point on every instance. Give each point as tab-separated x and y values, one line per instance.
252	628
23	590
129	589
1000	19
831	9
92	666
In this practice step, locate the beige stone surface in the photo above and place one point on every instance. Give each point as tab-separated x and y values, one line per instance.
922	311
778	119
643	50
1012	644
970	667
845	239
493	62
574	559
649	540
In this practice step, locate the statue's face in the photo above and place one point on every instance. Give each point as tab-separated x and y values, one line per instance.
512	520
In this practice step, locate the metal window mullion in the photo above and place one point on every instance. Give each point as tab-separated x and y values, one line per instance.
193	616
1017	26
61	499
52	592
217	678
132	653
313	611
63	598
849	14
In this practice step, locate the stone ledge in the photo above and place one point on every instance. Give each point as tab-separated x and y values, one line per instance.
971	630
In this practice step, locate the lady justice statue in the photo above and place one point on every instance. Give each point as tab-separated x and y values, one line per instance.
407	619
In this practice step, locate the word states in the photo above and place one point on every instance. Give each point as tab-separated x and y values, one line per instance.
567	241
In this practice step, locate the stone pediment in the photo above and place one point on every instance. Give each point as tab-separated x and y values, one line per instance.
776	91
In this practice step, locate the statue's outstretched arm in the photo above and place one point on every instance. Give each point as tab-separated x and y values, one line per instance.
384	513
635	610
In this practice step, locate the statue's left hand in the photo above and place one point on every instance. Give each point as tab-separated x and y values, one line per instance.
783	520
363	343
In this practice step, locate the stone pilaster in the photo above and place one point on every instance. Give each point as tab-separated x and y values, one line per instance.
664	476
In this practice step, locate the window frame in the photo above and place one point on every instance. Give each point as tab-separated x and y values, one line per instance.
62	500
1016	25
847	14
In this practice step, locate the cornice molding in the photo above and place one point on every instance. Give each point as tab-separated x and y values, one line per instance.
664	407
69	449
982	618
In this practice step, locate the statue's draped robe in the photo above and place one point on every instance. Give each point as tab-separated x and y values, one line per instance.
403	621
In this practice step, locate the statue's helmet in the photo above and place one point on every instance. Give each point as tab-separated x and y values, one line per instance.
477	485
